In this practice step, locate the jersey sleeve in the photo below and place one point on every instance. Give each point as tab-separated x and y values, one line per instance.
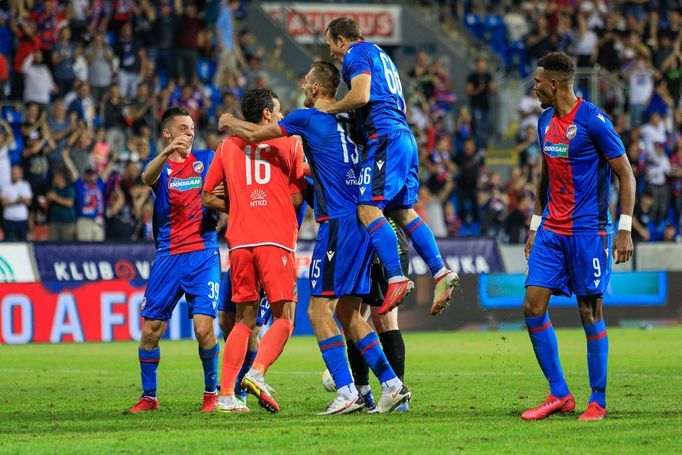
604	136
215	173
296	122
296	175
356	63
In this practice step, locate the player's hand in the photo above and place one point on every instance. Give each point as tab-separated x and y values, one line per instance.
623	247
219	190
529	243
181	144
225	121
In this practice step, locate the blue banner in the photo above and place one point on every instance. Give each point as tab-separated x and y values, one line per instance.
464	256
625	289
78	262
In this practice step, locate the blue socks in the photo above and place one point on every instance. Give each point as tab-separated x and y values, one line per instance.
597	360
386	244
546	349
209	360
374	356
334	354
246	366
149	362
425	244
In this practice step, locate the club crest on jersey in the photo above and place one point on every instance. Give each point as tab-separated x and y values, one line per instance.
179	184
571	131
258	198
198	167
556	150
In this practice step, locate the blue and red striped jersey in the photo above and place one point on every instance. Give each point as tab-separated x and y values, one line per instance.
385	111
576	149
181	223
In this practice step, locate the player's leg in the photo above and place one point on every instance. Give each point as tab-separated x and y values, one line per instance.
382	175
161	296
276	267
333	348
359	367
367	342
547	272
254	342
422	237
244	279
200	280
591	263
227	310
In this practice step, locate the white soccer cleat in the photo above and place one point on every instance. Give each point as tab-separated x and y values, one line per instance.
442	295
231	404
392	399
344	404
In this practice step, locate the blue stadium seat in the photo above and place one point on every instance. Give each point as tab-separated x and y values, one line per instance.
206	69
475	25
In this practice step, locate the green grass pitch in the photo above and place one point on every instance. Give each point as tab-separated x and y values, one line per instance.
468	391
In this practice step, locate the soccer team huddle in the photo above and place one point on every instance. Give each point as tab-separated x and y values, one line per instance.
271	167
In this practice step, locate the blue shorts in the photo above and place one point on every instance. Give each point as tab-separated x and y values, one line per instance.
195	274
225	302
389	175
341	259
578	264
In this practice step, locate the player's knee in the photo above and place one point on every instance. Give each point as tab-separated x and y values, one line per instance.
368	213
204	334
532	308
318	311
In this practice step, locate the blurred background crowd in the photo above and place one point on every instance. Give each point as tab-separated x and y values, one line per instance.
84	82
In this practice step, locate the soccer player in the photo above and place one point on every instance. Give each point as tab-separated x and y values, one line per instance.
570	233
389	174
261	236
186	261
339	271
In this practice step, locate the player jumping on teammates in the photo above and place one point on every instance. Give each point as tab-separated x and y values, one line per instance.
389	175
570	232
261	235
339	271
186	260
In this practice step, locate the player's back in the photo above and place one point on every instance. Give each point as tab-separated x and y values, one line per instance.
259	181
333	158
576	148
180	222
385	111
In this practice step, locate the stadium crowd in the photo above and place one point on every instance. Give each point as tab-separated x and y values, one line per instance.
81	96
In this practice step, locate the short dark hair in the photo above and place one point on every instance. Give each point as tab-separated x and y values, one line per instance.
346	27
327	75
558	62
170	113
254	101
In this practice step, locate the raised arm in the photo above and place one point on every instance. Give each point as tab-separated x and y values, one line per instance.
358	95
249	131
151	173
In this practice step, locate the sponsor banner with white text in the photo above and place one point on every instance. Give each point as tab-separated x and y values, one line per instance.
16	265
307	22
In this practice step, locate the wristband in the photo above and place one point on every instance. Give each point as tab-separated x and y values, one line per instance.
535	222
625	223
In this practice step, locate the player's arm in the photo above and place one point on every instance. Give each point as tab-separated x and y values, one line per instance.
540	203
622	244
153	170
358	95
210	198
249	131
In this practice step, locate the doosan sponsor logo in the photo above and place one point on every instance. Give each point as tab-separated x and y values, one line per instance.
556	150
184	184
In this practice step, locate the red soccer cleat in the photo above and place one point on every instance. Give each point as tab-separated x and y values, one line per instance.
593	412
210	402
145	404
394	295
551	406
